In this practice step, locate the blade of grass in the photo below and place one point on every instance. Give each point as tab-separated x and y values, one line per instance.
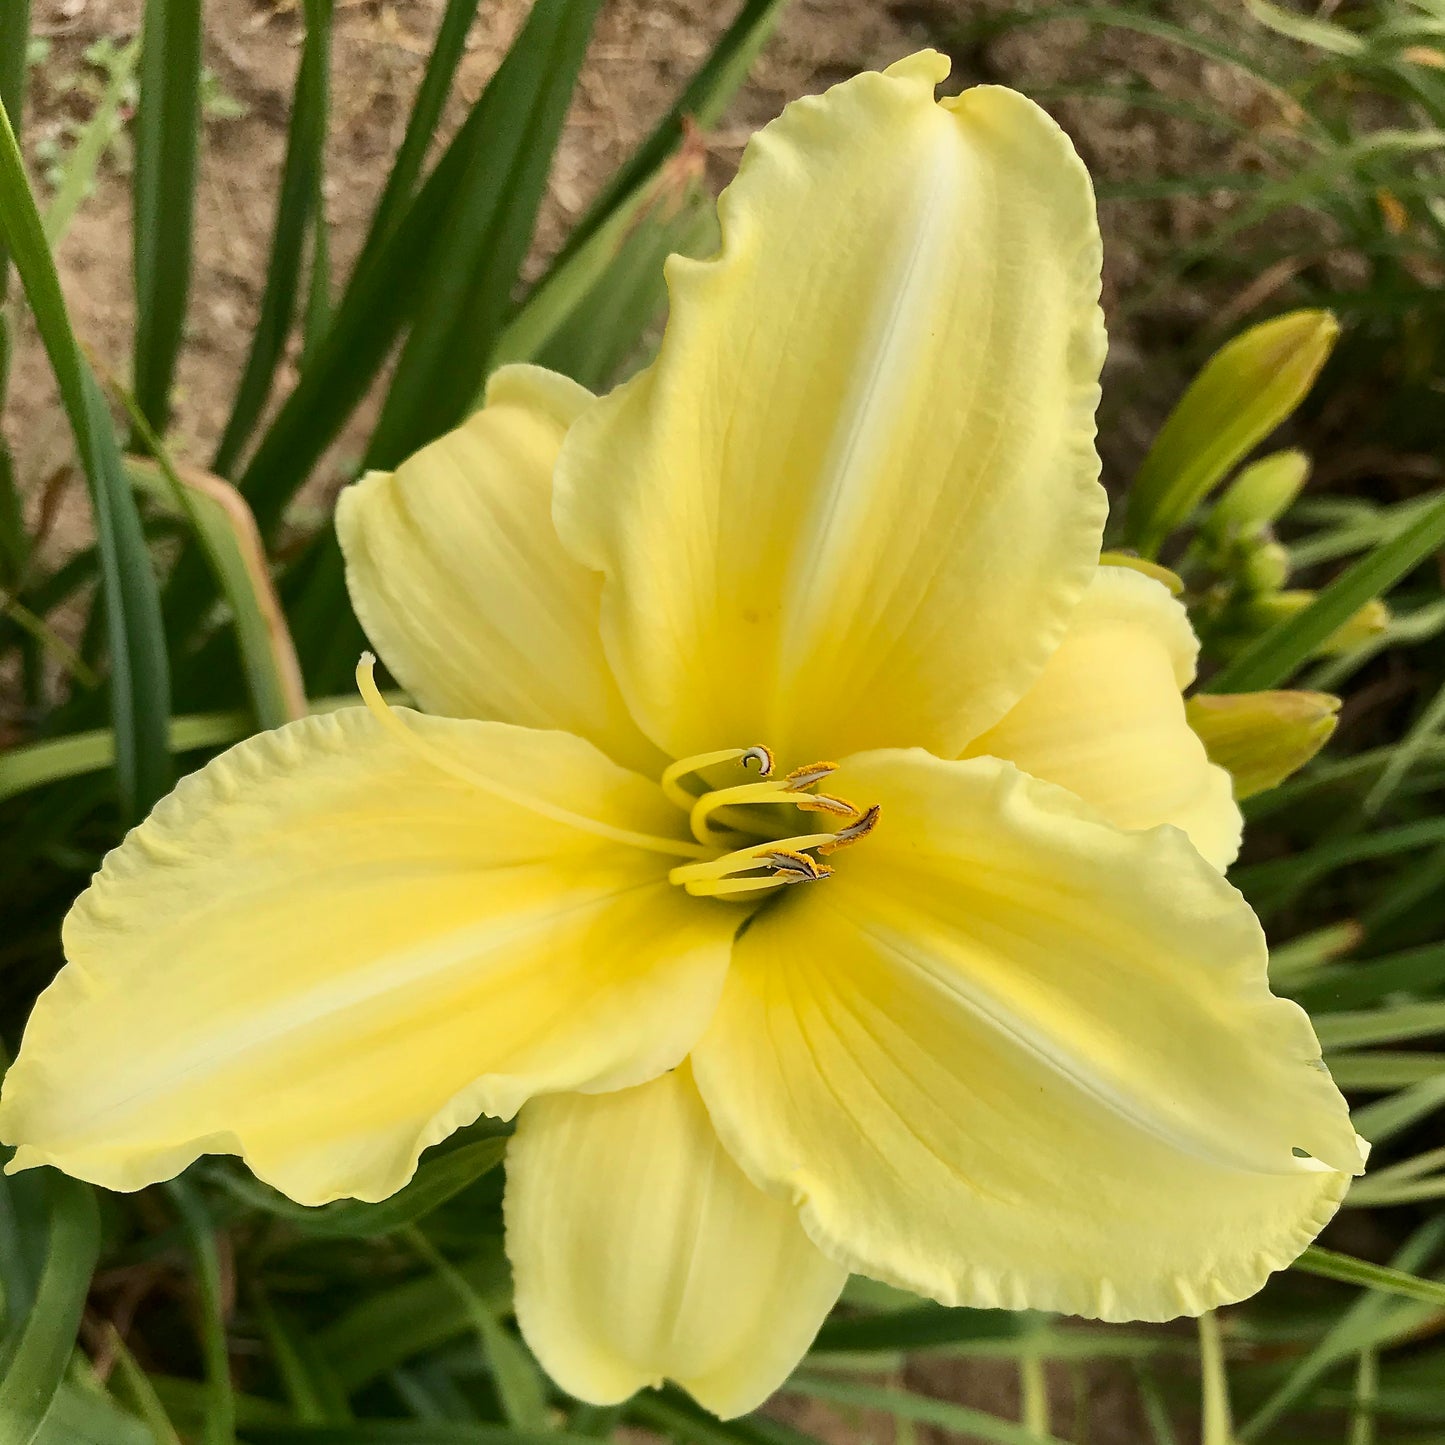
220	1426
903	1405
421	125
1425	730
295	214
916	1327
1367	1384
1380	1026
463	300
136	1385
520	1386
34	764
605	329
139	667
701	103
1353	985
316	1395
1382	1120
374	308
1328	1264
81	1415
406	1432
1384	1069
1276	656
395	1324
14	46
1271	885
1366	1320
37	1358
167	138
1216	1417
437	1180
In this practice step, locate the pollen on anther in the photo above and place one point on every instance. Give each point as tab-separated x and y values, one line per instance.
827	803
794	867
805	777
853	832
762	756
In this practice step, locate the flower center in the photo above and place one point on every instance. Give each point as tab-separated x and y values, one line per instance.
748	836
756	826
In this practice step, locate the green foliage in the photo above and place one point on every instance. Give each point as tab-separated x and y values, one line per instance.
225	1314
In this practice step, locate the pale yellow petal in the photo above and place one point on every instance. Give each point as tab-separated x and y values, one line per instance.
326	953
854	500
641	1253
456	573
1106	719
1009	1055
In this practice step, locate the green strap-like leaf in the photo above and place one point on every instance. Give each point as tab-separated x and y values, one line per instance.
1343	1267
702	102
201	1234
37	1362
167	137
438	1179
139	668
296	212
421	125
1367	1319
14	43
464	295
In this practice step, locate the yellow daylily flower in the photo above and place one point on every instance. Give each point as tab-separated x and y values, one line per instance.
811	851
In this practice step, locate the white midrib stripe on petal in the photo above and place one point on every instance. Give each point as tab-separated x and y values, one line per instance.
830	539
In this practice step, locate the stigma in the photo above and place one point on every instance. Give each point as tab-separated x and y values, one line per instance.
747	822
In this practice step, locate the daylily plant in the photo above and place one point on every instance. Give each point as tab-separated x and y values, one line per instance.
803	838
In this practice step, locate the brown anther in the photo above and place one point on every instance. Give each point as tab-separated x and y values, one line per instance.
853	832
827	803
794	867
801	778
762	756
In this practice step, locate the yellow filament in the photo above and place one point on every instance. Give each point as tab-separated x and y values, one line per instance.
410	738
675	772
704	807
755	855
725	887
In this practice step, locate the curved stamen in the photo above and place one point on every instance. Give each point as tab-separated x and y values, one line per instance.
411	739
704	807
672	776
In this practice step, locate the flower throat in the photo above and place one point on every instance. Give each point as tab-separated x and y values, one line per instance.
744	838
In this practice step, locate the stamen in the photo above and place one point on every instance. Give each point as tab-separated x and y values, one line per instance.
827	803
740	860
724	887
801	778
788	868
760	755
679	797
416	743
786	790
795	867
853	832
